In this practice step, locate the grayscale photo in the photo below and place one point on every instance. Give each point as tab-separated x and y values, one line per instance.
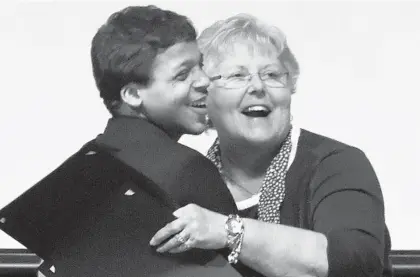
210	138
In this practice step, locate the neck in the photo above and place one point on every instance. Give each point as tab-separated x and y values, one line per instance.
244	160
174	135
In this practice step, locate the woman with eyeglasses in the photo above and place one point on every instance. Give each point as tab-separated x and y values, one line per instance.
309	205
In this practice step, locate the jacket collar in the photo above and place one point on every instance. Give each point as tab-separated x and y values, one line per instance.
122	131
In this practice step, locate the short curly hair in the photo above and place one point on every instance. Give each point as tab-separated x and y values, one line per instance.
124	49
222	35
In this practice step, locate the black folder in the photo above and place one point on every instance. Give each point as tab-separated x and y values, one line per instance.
94	216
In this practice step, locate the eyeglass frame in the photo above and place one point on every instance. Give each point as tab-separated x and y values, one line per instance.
249	78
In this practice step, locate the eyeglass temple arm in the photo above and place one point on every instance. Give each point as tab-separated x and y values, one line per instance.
214	78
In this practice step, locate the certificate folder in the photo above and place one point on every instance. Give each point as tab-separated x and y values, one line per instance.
94	216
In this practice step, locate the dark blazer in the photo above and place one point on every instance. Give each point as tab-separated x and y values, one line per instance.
95	214
182	172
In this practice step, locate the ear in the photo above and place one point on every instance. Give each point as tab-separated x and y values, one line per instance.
131	95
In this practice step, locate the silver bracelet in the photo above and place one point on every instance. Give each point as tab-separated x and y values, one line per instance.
235	234
234	255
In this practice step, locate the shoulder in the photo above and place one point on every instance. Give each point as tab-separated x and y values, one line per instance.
196	163
335	160
322	147
181	160
165	148
339	166
191	156
320	144
88	160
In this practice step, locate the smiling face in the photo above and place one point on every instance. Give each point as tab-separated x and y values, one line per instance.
255	113
175	100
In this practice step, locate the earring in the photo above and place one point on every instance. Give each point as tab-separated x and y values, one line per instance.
208	122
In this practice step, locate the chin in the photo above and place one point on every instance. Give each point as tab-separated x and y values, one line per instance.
259	137
196	132
195	129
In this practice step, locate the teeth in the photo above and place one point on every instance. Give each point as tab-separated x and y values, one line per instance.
256	109
199	105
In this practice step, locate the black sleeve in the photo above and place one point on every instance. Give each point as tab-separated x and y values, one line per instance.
206	188
347	206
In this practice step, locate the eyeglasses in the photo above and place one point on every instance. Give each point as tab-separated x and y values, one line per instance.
241	80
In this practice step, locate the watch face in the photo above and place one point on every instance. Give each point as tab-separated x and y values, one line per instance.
235	226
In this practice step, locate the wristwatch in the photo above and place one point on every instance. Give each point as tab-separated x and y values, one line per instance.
234	227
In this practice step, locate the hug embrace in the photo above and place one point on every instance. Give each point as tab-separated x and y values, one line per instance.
270	199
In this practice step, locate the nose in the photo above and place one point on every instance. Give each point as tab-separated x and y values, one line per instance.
202	81
255	84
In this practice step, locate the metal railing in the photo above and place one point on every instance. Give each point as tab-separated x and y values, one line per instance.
21	262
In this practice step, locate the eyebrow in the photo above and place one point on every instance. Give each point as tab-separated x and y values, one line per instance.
241	67
272	65
186	63
190	62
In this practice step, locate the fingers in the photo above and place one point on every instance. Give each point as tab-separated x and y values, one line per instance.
169	230
177	229
182	247
179	242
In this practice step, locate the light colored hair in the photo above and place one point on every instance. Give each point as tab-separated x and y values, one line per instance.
220	37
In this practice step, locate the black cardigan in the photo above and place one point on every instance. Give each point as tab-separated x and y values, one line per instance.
332	188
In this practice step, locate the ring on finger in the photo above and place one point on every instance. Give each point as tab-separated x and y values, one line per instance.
186	245
181	239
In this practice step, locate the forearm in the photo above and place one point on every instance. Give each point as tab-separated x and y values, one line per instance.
279	250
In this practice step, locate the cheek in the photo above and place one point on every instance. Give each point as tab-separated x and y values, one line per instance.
213	108
222	100
282	99
222	112
178	93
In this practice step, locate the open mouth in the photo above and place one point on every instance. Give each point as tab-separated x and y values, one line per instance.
199	103
256	111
